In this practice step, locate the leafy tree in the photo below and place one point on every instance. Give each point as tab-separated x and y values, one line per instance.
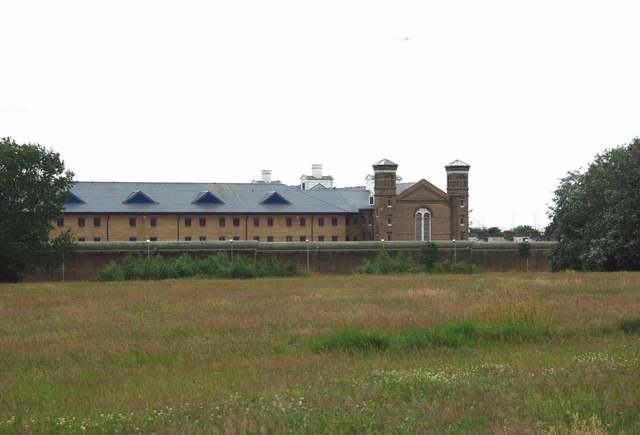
595	216
522	230
524	251
33	189
429	255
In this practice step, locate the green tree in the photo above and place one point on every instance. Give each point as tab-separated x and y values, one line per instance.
595	216
524	251
33	189
522	230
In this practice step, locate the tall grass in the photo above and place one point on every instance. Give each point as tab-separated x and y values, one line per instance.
157	267
414	353
466	333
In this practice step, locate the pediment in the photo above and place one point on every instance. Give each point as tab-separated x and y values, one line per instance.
423	191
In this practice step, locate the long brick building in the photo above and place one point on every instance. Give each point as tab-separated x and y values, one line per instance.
269	211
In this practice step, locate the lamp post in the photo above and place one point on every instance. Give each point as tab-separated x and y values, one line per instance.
231	240
148	248
307	242
455	252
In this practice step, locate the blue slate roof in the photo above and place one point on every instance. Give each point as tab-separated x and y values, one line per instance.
224	198
110	197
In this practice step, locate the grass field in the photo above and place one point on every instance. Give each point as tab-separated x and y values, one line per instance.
514	353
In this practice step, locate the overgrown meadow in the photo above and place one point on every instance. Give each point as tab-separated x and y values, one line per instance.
415	353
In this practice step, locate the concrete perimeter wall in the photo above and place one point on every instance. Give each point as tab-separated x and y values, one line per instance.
319	257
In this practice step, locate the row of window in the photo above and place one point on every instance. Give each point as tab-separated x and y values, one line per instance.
202	222
223	238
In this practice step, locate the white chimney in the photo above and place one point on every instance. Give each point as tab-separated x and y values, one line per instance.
316	170
266	175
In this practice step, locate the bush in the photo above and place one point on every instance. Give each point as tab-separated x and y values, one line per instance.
142	267
403	262
383	264
429	256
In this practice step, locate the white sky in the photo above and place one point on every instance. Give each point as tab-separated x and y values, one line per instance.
216	91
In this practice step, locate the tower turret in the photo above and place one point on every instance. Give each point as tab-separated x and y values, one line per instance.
458	190
384	198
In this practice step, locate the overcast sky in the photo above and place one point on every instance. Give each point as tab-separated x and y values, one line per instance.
216	91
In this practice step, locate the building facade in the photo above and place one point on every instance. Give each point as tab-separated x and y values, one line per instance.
269	211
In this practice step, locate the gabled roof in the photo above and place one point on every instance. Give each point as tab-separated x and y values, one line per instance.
274	198
206	197
425	185
73	199
138	197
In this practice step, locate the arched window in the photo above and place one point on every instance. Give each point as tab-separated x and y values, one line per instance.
423	225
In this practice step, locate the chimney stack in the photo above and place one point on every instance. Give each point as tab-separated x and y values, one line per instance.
266	175
316	170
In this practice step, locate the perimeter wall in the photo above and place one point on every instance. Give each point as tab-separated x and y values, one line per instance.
318	257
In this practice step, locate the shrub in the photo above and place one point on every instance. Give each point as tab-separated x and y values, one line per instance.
429	256
143	267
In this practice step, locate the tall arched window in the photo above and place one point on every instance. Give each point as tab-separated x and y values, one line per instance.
423	225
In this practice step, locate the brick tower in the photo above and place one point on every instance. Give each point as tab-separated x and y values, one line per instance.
384	198
458	190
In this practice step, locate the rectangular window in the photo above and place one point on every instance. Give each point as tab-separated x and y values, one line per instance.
461	220
153	222
303	239
269	238
256	238
321	222
96	239
236	222
289	239
132	239
388	201
96	222
80	239
371	200
81	222
388	221
462	203
334	221
355	238
132	222
256	222
289	221
236	237
203	238
320	238
303	222
187	238
187	222
334	238
60	222
222	222
153	239
202	221
269	222
222	238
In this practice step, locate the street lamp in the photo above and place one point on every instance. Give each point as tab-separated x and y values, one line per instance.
307	242
231	240
148	248
455	252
